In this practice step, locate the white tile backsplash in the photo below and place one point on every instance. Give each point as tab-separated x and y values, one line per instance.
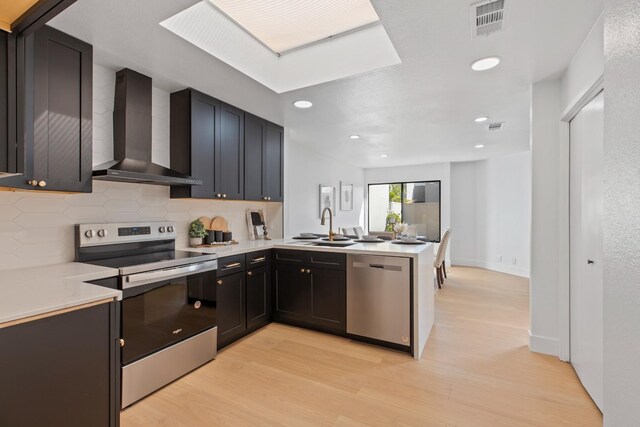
36	228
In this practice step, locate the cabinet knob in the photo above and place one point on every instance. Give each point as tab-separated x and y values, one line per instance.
302	270
308	271
268	198
42	184
249	273
33	183
121	342
224	196
218	195
219	282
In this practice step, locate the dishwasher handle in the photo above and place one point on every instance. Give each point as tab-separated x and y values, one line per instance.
377	266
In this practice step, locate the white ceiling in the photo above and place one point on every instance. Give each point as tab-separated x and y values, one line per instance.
419	111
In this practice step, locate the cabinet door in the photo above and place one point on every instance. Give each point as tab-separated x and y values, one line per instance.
292	294
4	102
273	175
205	137
255	131
62	112
328	299
60	369
231	163
232	319
258	297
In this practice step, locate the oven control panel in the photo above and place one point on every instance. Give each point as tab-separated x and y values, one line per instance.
110	234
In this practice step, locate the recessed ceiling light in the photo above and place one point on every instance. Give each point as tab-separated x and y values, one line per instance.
355	137
384	156
483	64
480	146
303	104
481	119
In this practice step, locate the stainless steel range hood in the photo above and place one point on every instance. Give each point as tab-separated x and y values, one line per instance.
132	137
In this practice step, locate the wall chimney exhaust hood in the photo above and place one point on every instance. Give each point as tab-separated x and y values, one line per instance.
132	137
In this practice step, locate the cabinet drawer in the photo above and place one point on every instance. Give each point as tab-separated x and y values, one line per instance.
231	264
327	260
257	259
288	257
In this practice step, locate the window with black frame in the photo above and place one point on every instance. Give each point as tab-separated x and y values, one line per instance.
415	203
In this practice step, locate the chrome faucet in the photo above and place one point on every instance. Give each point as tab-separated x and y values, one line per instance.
322	222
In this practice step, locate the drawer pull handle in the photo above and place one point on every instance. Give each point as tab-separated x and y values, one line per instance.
233	265
255	260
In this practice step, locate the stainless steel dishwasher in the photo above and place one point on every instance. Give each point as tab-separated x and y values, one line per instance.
379	298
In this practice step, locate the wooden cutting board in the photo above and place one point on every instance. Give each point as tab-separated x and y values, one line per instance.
219	223
206	221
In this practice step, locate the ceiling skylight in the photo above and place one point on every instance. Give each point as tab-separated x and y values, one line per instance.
287	44
283	25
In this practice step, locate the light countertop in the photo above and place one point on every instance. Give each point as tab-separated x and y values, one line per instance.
385	248
33	291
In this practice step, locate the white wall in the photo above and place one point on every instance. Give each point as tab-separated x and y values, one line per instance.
586	67
305	170
621	208
426	172
546	227
36	228
491	213
551	101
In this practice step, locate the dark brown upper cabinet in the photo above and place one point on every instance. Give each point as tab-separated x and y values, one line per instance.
52	144
231	165
62	112
195	142
264	160
207	142
4	102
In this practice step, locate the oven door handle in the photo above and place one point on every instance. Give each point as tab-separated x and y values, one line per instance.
140	279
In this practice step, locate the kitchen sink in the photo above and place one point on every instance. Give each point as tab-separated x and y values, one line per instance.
333	244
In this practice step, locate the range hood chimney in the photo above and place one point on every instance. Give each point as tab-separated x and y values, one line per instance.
132	137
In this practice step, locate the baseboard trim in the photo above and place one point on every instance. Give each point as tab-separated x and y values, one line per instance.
501	268
544	345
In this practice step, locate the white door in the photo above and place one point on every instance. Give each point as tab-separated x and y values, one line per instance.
586	207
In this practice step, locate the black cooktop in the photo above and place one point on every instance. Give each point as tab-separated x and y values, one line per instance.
152	258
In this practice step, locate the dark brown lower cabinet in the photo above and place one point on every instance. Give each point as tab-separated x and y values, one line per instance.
258	298
328	299
61	370
310	296
231	308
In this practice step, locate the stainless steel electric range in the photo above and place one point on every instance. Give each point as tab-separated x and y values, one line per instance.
168	310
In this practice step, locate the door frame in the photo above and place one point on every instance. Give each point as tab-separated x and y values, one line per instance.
564	276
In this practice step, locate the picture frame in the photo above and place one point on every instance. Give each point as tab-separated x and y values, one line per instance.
346	197
327	198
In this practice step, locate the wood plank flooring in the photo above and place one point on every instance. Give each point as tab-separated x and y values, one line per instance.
476	371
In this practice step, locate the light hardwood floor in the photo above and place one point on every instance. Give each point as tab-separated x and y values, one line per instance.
476	371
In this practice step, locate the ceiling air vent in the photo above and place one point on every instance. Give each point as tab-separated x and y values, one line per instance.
496	126
487	17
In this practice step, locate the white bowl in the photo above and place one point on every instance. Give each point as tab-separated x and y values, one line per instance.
307	235
409	239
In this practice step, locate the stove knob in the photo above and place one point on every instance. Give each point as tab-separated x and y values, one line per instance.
170	229
102	233
162	229
89	233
